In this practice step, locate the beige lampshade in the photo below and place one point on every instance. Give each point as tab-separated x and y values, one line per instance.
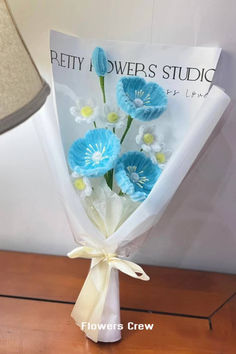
22	90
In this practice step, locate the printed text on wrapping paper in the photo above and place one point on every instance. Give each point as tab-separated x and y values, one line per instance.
128	68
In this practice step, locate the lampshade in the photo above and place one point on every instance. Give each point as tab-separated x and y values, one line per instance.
22	90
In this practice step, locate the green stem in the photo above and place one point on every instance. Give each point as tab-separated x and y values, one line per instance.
101	80
106	178
129	121
109	178
95	125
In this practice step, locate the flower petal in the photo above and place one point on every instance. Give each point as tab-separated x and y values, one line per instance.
95	154
152	99
136	174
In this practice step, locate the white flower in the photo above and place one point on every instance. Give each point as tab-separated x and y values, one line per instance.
149	139
82	185
161	157
85	111
113	117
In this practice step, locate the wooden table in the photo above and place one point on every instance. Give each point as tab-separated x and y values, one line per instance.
193	312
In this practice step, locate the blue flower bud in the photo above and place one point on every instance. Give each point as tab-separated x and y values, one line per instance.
99	61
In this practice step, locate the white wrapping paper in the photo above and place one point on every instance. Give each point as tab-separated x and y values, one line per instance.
198	119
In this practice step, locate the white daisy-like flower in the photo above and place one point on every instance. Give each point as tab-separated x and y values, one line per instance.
85	111
113	117
82	185
149	139
161	157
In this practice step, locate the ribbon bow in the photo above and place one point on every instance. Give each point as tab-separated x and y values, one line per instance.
90	303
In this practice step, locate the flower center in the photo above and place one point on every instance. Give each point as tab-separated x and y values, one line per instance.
97	157
148	138
79	184
112	117
138	102
86	111
160	157
134	177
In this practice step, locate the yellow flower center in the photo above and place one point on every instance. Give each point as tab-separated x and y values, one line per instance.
112	117
160	157
148	138
79	184
86	111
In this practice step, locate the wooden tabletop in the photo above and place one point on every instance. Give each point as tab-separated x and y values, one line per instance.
193	312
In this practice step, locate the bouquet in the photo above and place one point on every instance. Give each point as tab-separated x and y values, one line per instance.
128	144
102	168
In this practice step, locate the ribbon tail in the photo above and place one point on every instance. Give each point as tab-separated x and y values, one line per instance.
89	306
130	268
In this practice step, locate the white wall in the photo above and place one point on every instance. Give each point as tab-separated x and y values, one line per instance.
198	228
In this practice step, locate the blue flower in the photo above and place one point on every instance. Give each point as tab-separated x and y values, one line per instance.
95	154
141	100
136	175
99	61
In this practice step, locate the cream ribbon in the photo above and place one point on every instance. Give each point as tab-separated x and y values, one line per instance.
90	303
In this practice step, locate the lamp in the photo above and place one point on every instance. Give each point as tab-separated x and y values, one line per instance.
22	90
